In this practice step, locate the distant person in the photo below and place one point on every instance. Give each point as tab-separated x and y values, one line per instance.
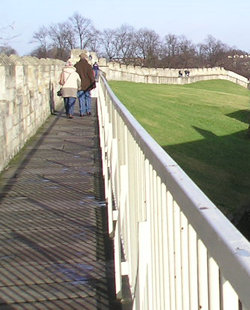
70	82
180	73
187	72
96	70
84	69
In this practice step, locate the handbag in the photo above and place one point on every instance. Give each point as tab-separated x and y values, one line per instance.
59	92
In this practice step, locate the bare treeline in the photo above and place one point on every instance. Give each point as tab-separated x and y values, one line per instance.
137	47
6	35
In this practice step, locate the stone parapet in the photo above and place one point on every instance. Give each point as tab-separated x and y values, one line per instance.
28	87
76	52
117	71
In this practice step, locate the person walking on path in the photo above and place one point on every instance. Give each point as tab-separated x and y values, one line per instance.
84	69
70	82
96	70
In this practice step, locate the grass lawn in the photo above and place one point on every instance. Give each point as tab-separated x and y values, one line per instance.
203	126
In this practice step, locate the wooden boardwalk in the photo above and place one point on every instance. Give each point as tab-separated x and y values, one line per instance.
54	249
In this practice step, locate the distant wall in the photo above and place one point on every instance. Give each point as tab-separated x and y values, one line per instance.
28	89
76	53
116	71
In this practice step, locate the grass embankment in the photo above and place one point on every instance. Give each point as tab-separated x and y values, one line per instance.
203	126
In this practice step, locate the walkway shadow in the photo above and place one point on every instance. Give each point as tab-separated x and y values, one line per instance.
51	99
26	155
55	252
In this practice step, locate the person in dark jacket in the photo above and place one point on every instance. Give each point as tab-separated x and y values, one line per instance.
96	70
84	69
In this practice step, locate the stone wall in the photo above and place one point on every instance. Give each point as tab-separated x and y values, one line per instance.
28	89
76	52
117	71
120	72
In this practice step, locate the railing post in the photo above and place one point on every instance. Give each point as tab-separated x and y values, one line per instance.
180	252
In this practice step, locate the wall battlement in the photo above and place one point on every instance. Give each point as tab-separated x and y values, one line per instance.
120	72
117	71
28	87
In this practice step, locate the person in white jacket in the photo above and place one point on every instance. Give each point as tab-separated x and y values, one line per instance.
71	82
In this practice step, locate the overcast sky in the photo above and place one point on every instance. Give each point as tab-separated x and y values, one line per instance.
226	20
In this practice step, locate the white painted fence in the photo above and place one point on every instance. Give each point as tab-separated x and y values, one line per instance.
180	252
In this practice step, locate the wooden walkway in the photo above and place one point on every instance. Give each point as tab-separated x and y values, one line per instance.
54	249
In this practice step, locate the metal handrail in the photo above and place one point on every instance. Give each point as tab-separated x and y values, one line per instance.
180	251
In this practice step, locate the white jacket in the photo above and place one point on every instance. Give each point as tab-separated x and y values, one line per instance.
70	81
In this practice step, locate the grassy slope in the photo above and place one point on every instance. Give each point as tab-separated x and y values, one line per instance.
203	127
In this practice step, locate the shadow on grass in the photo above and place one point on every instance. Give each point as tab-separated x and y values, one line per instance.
220	166
241	115
244	117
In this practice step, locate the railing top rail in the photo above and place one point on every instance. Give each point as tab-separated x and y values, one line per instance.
224	242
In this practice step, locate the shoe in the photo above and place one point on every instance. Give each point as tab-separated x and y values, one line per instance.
82	115
71	116
89	113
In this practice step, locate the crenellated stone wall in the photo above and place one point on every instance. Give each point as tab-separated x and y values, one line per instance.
75	53
117	71
28	89
120	72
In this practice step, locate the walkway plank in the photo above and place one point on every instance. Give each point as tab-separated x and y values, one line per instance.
54	248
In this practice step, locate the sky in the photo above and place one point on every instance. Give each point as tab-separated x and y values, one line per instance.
226	20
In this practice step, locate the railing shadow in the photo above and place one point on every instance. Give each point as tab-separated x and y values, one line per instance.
208	162
241	115
55	253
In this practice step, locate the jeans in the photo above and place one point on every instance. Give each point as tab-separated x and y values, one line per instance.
96	74
84	98
69	103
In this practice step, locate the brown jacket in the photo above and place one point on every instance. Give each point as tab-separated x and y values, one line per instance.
84	69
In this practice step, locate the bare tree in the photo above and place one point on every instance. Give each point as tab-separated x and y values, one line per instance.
124	42
178	52
69	36
7	50
6	36
169	51
142	47
213	51
60	35
95	41
119	44
63	37
42	37
187	53
108	42
147	44
171	45
83	29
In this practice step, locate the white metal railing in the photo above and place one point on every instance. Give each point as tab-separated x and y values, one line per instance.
180	251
